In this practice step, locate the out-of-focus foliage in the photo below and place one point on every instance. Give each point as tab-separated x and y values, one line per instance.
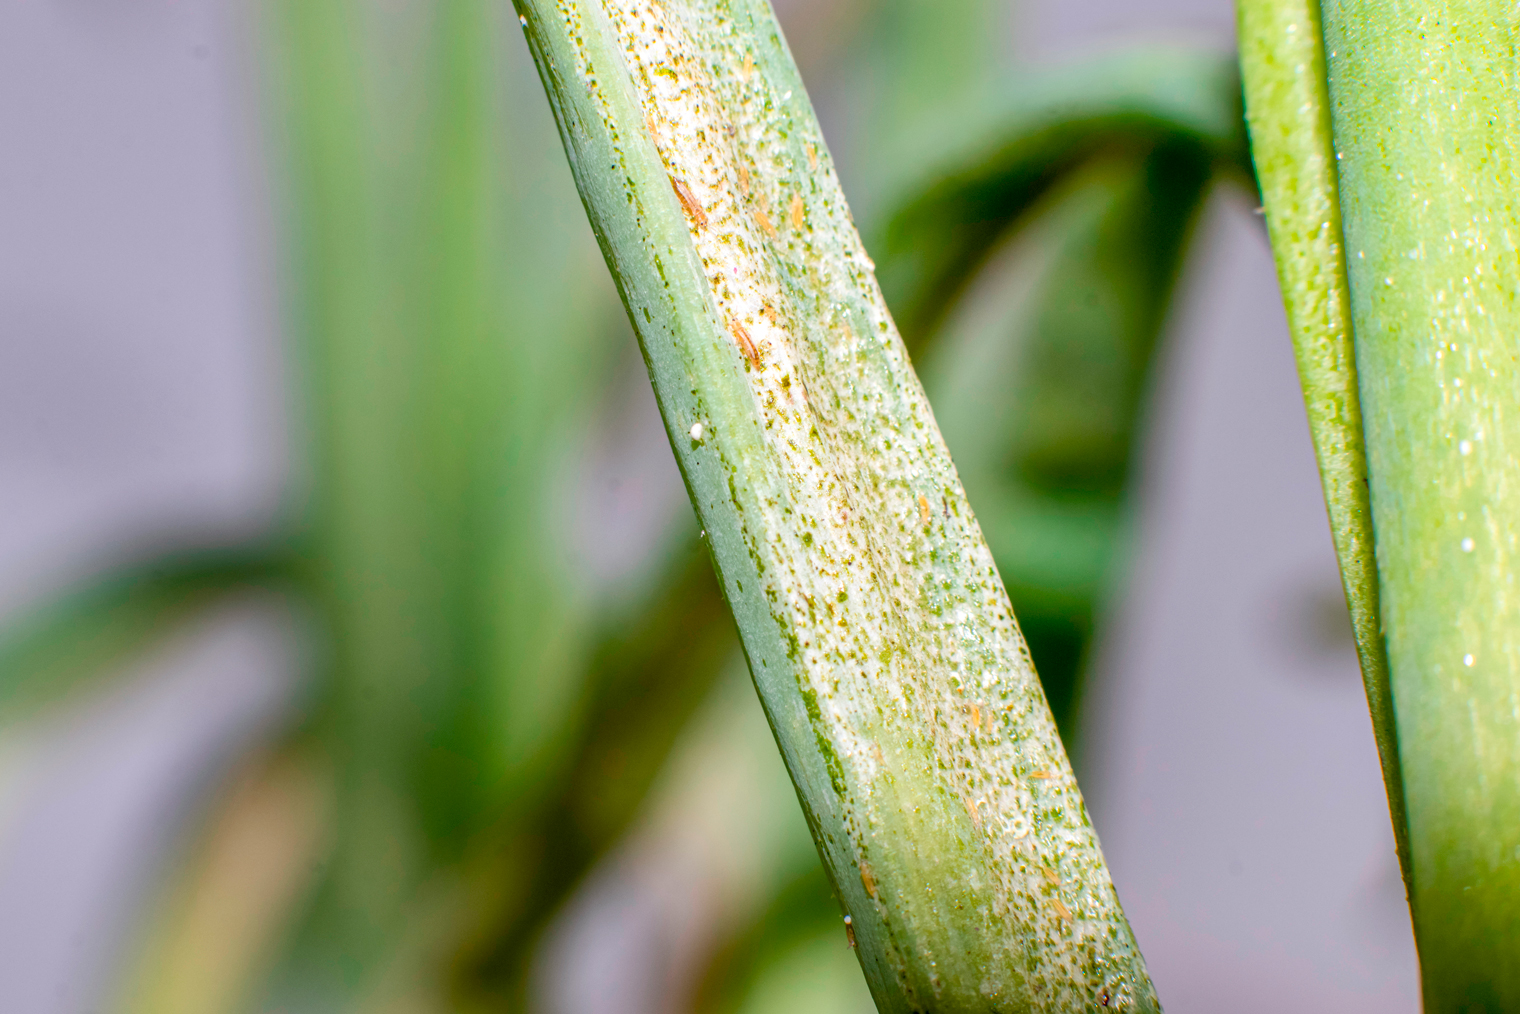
460	633
999	158
488	716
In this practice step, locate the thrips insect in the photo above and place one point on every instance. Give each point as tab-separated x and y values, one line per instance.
746	343
689	202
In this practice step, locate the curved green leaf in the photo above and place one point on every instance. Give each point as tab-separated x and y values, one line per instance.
1055	122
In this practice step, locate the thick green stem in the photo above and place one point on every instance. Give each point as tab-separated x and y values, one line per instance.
878	633
1426	113
1282	61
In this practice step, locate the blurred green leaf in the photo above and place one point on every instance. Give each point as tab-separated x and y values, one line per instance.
1288	105
901	71
364	536
449	332
647	677
993	163
63	647
798	948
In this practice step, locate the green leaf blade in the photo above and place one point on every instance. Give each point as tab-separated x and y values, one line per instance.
1288	108
877	631
1425	107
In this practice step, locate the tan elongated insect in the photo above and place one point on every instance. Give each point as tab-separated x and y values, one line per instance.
923	517
866	880
747	346
743	178
765	223
796	211
689	202
1061	910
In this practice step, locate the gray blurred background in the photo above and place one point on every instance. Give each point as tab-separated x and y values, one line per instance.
1229	762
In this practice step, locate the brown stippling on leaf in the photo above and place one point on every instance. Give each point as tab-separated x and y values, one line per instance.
747	346
689	202
769	313
796	211
866	880
765	223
